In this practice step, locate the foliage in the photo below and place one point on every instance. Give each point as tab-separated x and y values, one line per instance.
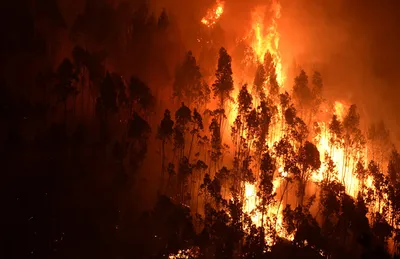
223	85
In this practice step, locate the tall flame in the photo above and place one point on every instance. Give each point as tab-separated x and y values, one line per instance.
213	14
265	39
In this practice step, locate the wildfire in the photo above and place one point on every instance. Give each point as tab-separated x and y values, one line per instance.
213	14
265	39
337	154
340	109
274	212
185	254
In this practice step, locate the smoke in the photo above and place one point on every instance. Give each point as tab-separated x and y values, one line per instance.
354	45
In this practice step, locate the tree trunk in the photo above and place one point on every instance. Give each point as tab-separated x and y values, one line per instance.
65	112
162	164
191	144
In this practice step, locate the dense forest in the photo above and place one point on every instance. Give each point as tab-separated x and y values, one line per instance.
119	141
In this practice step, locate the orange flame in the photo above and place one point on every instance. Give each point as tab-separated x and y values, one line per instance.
264	39
213	14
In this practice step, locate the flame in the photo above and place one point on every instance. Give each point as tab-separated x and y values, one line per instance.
337	154
192	252
213	14
264	39
274	212
340	109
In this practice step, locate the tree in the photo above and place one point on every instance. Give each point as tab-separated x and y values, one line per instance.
259	81
309	161
189	85
106	102
394	167
138	133
264	119
184	171
302	92
163	20
336	132
379	181
394	190
266	186
140	96
183	116
120	87
270	68
361	173
108	94
245	101
379	139
165	131
352	136
223	85
316	92
197	126
216	142
65	86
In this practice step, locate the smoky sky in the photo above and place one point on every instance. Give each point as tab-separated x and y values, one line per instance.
355	43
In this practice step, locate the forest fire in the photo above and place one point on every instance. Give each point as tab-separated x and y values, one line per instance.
265	39
335	157
158	139
213	15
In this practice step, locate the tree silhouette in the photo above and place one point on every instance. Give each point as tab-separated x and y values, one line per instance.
197	126
138	133
165	131
336	132
107	102
223	85
183	116
301	91
316	91
216	142
309	161
65	86
163	20
189	85
140	96
352	136
270	68
266	187
108	94
379	139
259	81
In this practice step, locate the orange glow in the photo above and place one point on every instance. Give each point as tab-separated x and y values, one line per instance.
265	39
213	14
272	212
185	254
337	154
340	109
